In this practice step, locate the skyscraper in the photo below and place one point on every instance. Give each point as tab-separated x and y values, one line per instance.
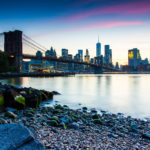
50	53
80	52
87	56
134	57
98	48
65	53
108	55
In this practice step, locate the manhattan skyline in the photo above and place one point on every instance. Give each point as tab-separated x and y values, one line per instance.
76	25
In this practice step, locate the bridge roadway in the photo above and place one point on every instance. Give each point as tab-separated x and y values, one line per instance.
26	56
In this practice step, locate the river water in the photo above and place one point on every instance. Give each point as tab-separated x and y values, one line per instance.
128	94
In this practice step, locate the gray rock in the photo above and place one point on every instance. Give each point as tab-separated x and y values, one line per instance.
97	121
84	108
64	119
74	125
11	115
65	106
56	93
3	121
112	135
94	111
52	123
95	116
33	145
146	135
16	136
134	128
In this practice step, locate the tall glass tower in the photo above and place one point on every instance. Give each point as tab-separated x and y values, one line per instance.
98	48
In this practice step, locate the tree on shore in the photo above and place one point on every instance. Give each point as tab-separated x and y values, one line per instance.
4	64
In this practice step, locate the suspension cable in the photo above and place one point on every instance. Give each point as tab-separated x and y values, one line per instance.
42	47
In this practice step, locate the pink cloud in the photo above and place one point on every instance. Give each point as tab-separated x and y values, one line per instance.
98	25
128	8
110	24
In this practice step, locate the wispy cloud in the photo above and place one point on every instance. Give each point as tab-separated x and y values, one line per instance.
110	24
133	8
97	25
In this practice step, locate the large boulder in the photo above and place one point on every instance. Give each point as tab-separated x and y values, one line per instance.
20	98
1	99
16	136
32	101
33	98
14	99
46	95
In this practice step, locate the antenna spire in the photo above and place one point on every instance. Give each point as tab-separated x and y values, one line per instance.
98	38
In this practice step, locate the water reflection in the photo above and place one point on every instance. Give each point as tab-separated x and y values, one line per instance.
13	81
128	94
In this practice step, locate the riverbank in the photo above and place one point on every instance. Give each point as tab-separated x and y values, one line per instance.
60	127
32	74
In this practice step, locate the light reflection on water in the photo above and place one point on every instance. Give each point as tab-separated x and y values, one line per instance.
128	94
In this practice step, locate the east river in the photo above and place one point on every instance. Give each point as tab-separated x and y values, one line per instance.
128	94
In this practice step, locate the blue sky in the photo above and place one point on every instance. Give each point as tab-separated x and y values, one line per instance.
76	24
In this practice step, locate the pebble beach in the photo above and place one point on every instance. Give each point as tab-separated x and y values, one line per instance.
62	128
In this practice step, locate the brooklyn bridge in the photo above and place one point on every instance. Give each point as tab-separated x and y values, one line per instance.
19	47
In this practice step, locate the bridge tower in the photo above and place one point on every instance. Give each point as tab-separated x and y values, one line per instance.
13	48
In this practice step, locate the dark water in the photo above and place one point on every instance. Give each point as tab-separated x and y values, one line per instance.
128	94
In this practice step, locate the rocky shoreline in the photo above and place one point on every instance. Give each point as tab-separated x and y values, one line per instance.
21	98
60	127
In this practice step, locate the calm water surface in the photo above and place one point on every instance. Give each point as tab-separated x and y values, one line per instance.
128	94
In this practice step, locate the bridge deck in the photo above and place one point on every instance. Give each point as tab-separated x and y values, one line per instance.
25	56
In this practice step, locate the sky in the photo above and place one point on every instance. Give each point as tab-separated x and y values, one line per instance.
76	24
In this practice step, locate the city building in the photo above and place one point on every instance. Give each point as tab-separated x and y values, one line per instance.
126	68
117	65
65	53
61	66
77	57
108	55
25	66
99	60
144	62
134	58
39	53
51	53
40	65
92	61
80	52
87	56
70	65
70	57
143	68
98	48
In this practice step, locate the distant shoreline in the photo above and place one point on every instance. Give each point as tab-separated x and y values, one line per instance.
36	74
126	72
